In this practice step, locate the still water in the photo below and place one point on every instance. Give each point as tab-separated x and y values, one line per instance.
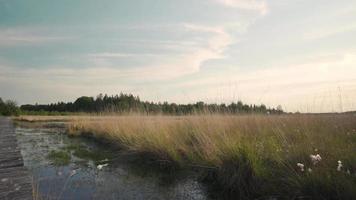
94	171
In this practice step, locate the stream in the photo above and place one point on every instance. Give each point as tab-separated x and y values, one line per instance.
66	167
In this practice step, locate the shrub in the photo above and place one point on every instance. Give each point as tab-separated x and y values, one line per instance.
9	108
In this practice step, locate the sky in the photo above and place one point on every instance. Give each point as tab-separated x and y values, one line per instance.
299	54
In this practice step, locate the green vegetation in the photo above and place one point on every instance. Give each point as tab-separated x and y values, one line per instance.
82	152
8	108
245	157
46	113
127	103
59	158
64	155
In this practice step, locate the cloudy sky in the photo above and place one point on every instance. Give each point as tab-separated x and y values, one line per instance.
300	54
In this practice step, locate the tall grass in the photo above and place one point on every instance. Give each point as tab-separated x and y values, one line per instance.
252	156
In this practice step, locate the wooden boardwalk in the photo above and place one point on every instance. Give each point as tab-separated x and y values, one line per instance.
15	181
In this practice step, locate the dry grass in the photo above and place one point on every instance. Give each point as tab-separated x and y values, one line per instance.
253	155
246	151
208	138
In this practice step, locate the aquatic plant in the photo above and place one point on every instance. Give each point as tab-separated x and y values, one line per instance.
59	157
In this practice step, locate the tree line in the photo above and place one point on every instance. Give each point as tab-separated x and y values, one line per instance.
128	103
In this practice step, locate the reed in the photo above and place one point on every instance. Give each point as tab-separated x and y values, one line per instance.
249	156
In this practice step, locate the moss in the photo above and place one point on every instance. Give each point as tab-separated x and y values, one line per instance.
59	158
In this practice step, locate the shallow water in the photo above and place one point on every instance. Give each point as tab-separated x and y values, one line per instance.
81	178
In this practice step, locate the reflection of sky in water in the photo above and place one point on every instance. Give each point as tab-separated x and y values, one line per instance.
82	180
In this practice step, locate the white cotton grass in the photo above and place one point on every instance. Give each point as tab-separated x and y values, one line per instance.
101	166
72	173
339	165
315	158
301	166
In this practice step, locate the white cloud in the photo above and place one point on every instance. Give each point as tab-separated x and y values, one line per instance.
104	76
255	5
22	36
323	32
111	55
213	48
309	87
190	59
165	66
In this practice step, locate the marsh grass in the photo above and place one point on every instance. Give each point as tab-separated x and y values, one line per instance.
249	156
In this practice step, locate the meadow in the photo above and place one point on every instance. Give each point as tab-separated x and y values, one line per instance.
239	156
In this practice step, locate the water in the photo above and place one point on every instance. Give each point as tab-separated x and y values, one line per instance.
80	178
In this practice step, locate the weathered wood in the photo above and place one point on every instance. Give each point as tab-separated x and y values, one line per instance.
15	182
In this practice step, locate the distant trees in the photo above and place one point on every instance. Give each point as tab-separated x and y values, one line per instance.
128	103
84	104
279	108
8	108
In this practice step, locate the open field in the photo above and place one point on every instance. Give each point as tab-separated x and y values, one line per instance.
251	156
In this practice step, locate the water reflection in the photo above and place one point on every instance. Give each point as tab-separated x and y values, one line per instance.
81	178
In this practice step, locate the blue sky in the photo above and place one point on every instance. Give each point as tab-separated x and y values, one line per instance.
300	54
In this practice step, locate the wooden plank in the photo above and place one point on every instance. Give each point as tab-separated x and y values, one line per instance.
15	182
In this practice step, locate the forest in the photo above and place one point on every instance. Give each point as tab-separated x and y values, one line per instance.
128	103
